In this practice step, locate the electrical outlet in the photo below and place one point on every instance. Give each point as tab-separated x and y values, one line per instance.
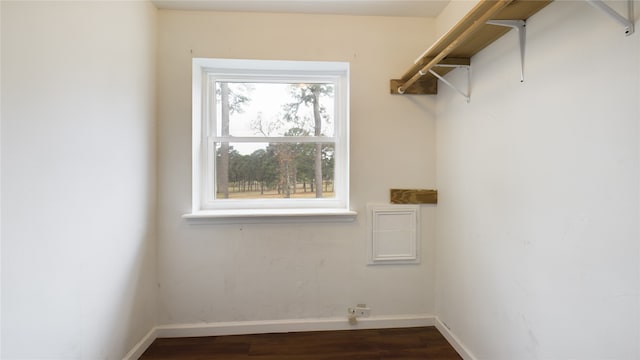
363	311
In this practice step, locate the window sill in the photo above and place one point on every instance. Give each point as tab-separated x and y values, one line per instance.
270	216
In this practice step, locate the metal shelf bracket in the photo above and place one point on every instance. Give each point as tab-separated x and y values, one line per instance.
467	94
521	28
626	22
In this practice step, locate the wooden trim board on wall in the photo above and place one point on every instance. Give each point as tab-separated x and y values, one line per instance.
413	196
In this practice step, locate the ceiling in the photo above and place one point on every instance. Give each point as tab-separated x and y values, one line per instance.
413	8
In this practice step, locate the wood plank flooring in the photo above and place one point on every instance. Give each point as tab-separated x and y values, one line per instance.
425	343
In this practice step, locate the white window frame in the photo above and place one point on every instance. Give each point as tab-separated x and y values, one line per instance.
205	74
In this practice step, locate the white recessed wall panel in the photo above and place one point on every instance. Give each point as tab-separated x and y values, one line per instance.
393	233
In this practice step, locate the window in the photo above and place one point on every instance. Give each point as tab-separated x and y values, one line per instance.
270	137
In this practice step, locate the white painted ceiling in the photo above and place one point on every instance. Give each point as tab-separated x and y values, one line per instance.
416	8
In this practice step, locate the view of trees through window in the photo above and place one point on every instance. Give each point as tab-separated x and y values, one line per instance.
274	140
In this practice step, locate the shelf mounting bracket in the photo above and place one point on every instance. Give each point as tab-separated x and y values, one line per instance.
626	22
521	28
467	94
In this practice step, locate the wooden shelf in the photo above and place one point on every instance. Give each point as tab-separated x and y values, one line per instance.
470	35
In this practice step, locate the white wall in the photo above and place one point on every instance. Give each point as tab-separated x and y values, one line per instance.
217	273
452	13
0	187
538	238
78	165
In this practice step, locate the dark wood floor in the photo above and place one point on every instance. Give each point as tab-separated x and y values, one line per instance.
424	343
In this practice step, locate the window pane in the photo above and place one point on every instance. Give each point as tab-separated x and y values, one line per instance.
246	109
274	170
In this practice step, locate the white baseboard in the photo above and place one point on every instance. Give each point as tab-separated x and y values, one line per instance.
142	345
294	325
453	340
276	326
